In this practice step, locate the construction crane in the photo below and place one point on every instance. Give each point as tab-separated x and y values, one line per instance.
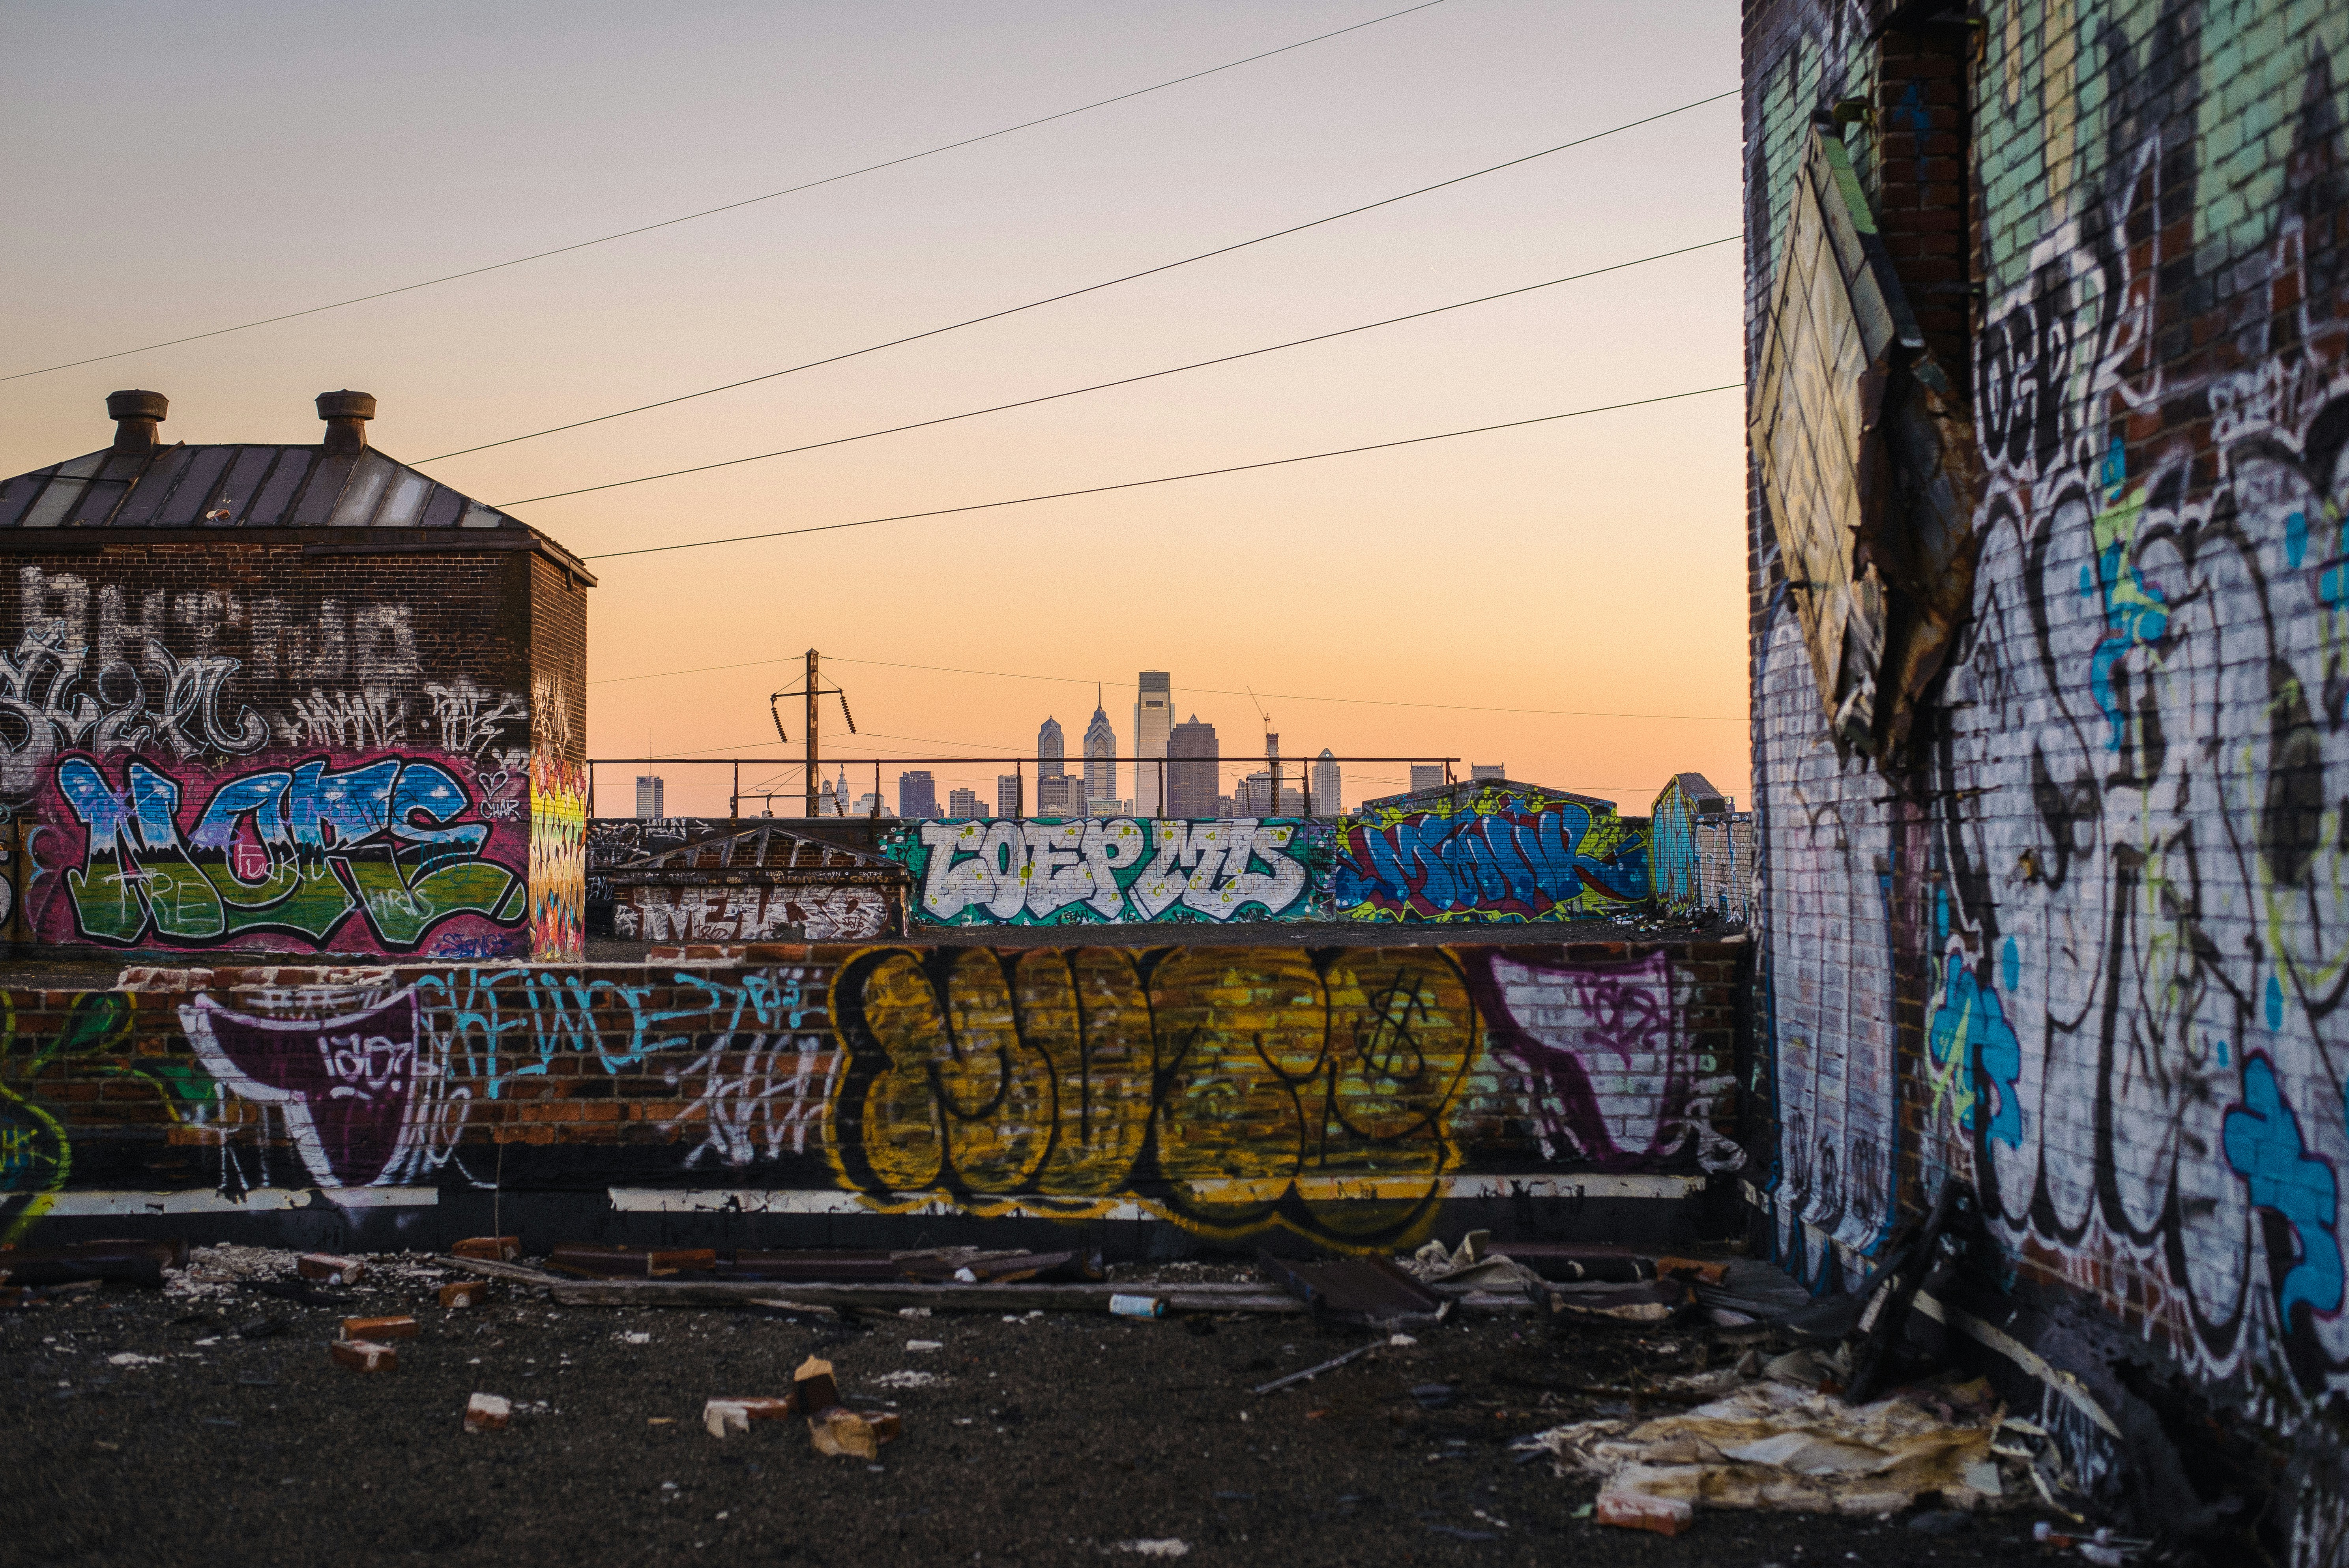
811	688
1271	753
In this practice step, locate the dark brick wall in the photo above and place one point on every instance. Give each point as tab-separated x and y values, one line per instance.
2082	946
224	666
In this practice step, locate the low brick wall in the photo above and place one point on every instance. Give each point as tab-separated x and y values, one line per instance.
1344	1095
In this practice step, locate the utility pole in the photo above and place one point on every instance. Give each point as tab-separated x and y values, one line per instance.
811	688
813	753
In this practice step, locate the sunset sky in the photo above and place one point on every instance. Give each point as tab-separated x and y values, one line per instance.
177	169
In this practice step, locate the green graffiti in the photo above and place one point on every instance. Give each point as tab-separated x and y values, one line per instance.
296	850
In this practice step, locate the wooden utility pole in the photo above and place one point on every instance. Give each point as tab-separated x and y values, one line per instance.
813	753
811	687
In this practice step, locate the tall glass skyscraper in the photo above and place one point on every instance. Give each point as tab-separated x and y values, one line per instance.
1154	717
1192	770
1328	785
1100	754
1051	751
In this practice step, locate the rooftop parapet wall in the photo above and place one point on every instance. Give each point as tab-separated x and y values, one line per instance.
1342	1094
1498	853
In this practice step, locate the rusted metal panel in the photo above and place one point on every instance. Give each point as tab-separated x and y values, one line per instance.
285	481
237	488
17	495
60	499
327	480
1367	1290
1866	460
371	474
178	505
441	508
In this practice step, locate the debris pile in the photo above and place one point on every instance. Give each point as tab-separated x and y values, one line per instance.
1775	1446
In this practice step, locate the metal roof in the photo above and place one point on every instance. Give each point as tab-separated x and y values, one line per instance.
238	487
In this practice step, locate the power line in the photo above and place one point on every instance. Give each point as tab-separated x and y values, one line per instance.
1162	480
1073	293
728	207
1213	691
1125	381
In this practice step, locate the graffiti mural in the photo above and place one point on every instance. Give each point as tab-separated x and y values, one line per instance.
46	1068
1497	855
1334	1092
558	858
1700	852
1612	1079
346	1084
372	854
815	912
1012	872
2088	946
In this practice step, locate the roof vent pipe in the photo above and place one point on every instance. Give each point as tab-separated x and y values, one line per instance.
135	416
347	414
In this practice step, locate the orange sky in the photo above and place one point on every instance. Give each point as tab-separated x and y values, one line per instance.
234	160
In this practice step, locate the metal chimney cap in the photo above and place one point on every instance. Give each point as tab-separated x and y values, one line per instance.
345	405
137	406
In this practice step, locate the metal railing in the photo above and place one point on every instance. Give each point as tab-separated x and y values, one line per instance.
1302	793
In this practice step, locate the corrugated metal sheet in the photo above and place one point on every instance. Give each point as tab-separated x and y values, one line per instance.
238	487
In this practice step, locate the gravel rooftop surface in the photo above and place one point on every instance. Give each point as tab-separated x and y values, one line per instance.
176	1427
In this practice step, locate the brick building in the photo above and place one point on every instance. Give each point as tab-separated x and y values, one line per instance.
2049	384
296	698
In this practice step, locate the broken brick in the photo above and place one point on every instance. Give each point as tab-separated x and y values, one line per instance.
814	1386
1637	1511
329	1269
719	1417
463	1291
488	1413
365	1356
497	1249
379	1329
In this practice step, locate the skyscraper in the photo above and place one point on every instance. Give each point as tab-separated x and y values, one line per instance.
918	794
1100	758
1154	716
1488	770
1192	770
1426	775
1060	797
649	799
1050	749
1328	785
1007	795
961	803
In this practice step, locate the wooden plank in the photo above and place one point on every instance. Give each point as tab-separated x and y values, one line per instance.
1244	1296
501	1270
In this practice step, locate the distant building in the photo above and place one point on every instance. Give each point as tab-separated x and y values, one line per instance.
1254	796
1109	807
1329	786
827	804
959	803
1063	796
1101	758
918	794
869	805
1052	750
1007	795
1426	775
649	804
1154	716
1486	770
1193	769
1225	807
